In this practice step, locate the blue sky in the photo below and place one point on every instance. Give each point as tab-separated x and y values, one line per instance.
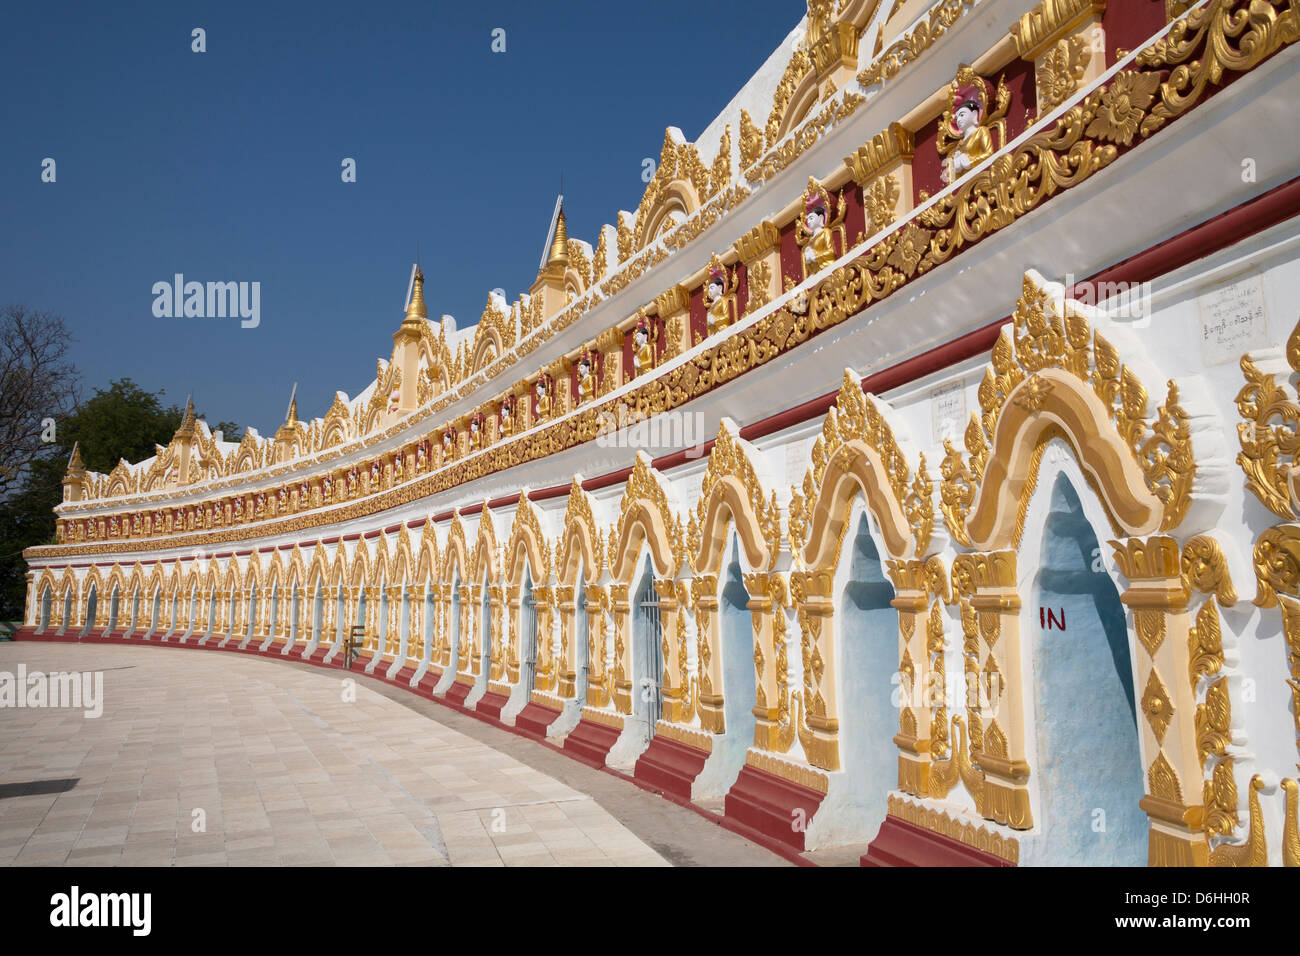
225	166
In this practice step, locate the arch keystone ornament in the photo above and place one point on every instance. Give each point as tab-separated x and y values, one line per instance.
580	549
647	517
528	545
1052	376
856	452
731	495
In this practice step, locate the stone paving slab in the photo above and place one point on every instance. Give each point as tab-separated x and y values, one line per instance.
210	759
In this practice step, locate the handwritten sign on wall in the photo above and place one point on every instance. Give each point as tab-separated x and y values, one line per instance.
1232	320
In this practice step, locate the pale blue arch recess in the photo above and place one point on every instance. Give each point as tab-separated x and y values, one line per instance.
1089	765
868	642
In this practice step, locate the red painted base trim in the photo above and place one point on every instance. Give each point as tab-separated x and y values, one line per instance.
590	743
403	677
492	704
900	843
427	683
670	765
772	805
317	656
457	693
534	719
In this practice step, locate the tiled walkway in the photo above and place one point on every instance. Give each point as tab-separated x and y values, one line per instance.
208	758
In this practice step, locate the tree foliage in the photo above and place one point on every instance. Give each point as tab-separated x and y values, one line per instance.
37	386
121	421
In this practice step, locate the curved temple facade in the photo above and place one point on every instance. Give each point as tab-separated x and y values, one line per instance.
913	467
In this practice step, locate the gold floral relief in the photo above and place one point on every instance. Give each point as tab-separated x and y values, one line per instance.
1059	72
1053	333
855	416
1207	42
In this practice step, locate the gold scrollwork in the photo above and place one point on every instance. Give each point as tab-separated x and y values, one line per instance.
1254	852
1051	333
856	416
1207	42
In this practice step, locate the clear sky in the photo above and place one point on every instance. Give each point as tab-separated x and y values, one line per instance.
225	166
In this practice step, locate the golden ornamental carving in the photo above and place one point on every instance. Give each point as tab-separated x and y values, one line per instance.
751	141
760	282
527	524
1225	36
941	19
644	485
880	200
599	261
1162	780
1049	20
699	223
1205	568
580	520
1060	71
887	147
855	416
1277	575
789	702
1291	823
796	70
1214	722
1157	706
729	459
1268	436
1254	852
680	186
1203	44
1055	159
811	131
1118	110
963	831
1052	333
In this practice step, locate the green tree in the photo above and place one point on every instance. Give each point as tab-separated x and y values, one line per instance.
123	421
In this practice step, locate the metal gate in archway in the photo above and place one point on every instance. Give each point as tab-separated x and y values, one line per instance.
529	627
651	662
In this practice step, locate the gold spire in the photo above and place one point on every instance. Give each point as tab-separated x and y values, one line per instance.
559	245
416	309
293	412
188	426
75	467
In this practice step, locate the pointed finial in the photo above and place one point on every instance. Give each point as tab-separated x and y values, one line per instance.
75	467
416	309
188	427
560	245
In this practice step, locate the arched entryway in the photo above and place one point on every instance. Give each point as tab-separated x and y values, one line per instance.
870	689
647	654
1089	768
